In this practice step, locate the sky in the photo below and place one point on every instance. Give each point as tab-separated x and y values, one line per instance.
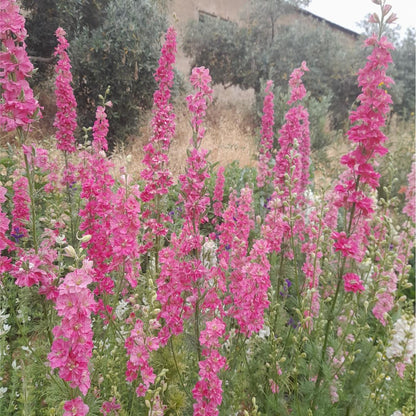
348	13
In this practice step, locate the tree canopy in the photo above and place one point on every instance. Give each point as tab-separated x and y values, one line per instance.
113	43
265	44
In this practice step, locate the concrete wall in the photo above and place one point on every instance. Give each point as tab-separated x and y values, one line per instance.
182	11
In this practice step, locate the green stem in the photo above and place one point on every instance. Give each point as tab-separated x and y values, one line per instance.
197	329
72	226
331	313
172	349
327	328
32	206
45	314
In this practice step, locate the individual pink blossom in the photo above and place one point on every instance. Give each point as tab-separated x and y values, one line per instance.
28	270
18	107
110	408
266	137
66	116
348	246
352	283
75	407
212	333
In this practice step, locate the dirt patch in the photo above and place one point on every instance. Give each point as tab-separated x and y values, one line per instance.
230	135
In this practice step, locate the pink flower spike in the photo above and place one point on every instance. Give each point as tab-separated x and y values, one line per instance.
20	212
72	347
157	176
65	119
18	108
100	130
360	176
297	89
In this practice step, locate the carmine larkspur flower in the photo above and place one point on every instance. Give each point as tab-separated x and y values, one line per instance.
367	120
75	407
72	346
18	106
65	118
352	283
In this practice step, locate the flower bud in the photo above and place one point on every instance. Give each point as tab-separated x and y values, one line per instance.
374	18
70	251
85	238
392	18
386	9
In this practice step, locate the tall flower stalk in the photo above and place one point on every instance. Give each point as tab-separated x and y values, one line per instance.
266	140
352	191
66	123
18	106
66	115
72	347
156	174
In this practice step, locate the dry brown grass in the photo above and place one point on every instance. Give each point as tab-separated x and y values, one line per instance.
230	136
